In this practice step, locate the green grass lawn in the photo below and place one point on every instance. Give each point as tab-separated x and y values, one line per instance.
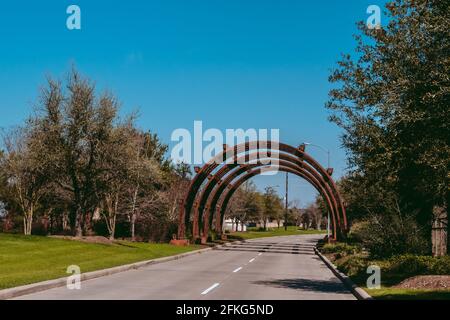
29	259
408	294
252	233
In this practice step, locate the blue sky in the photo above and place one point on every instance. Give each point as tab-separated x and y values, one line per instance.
232	64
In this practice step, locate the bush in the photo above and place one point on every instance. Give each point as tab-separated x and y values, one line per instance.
357	230
419	265
353	265
340	248
155	230
391	234
410	264
212	236
441	266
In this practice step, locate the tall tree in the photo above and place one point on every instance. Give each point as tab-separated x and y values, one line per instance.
245	205
145	172
393	104
25	169
77	127
272	206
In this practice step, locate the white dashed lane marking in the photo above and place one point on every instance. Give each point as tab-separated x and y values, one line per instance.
237	270
215	285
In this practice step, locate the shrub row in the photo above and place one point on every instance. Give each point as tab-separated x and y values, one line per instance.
340	248
404	266
420	265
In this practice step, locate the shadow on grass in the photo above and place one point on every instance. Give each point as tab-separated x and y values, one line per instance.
306	284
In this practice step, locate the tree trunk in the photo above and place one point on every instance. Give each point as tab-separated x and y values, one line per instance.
78	223
113	230
112	204
133	214
28	222
133	222
65	221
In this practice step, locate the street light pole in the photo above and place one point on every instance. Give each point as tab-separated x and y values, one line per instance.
286	204
322	148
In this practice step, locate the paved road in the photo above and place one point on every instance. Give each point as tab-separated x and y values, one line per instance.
268	268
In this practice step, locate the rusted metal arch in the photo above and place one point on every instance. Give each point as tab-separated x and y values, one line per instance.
283	160
204	200
203	173
221	208
229	189
235	185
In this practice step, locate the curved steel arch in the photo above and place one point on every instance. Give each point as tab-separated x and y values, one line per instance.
221	209
298	170
214	180
297	154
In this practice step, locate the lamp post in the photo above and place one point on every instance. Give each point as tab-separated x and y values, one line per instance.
286	204
328	167
322	148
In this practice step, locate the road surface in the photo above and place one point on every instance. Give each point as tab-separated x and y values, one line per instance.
268	268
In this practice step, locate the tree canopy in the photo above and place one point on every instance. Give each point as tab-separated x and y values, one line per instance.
392	100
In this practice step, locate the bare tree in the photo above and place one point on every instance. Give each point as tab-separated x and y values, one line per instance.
26	170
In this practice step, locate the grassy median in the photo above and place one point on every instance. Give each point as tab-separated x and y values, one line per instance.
253	233
29	259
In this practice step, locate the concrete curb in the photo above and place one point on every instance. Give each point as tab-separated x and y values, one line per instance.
60	282
358	292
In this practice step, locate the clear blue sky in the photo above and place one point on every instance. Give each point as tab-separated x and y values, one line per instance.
231	64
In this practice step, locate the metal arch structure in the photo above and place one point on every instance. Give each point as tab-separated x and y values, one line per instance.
231	188
215	183
283	165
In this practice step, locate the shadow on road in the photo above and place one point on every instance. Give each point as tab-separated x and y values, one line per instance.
306	284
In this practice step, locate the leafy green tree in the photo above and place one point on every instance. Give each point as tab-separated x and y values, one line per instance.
393	104
246	204
77	127
273	206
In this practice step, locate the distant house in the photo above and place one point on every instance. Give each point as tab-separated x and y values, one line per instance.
270	224
233	225
3	211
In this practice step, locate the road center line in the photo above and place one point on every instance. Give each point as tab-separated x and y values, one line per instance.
259	253
237	270
215	285
251	260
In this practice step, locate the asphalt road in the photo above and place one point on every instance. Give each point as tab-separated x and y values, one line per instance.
268	268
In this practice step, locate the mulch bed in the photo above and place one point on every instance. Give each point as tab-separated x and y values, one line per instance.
89	239
426	282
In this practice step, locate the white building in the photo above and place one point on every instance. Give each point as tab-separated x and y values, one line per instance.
232	226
